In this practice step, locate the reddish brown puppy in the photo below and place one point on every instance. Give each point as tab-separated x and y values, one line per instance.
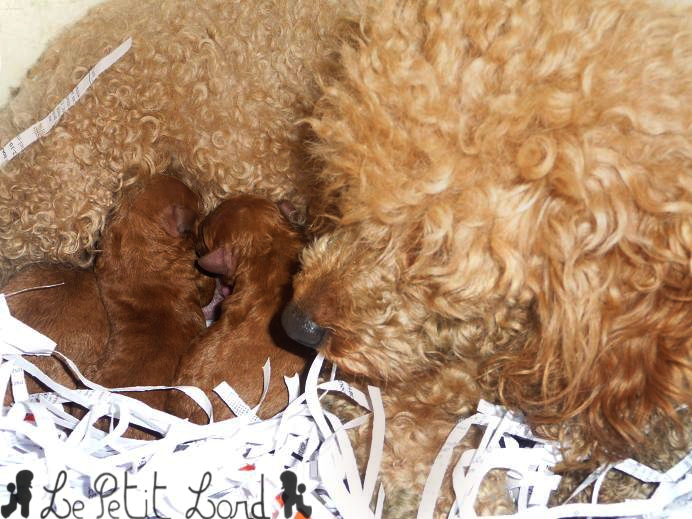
151	289
71	314
254	249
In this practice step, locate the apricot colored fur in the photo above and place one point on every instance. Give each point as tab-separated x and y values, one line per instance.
500	196
214	89
506	200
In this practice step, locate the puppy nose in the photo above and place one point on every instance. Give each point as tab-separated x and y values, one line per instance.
301	328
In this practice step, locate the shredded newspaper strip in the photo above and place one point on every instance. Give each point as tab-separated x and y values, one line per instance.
299	463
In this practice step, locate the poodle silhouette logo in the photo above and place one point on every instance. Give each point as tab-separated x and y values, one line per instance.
20	494
292	496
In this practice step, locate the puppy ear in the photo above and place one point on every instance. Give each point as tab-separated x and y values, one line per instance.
289	211
178	220
219	261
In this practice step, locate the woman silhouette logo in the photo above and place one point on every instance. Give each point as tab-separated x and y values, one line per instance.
291	498
20	495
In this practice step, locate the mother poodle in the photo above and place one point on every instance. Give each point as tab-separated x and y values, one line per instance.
507	211
500	193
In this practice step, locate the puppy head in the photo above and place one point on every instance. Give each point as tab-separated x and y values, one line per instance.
161	210
154	228
510	206
246	232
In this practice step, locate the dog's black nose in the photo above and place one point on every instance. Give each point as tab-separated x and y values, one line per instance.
301	328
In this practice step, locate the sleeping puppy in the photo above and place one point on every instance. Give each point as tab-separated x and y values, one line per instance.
150	287
71	314
251	246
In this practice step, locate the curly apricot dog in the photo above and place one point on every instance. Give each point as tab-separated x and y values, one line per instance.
502	207
507	198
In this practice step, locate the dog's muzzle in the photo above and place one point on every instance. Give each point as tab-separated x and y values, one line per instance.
301	328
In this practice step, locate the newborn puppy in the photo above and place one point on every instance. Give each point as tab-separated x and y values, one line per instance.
152	292
71	314
254	249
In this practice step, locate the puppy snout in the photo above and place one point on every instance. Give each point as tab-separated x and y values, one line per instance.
301	328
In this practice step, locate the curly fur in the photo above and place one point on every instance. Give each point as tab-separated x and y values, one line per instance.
502	204
507	195
213	88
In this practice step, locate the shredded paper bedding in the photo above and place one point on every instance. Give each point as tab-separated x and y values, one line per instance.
297	464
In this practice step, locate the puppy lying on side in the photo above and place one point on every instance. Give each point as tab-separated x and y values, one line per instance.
71	314
128	322
152	292
253	248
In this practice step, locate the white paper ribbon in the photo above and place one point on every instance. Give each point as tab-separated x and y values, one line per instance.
19	143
